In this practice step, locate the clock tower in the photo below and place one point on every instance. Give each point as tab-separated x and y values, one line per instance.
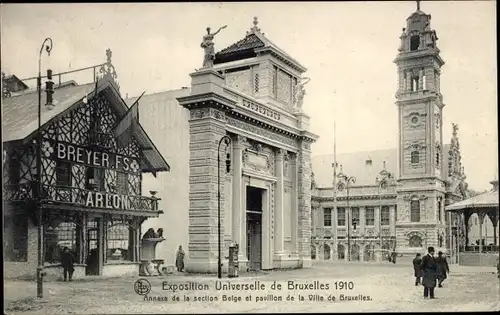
421	183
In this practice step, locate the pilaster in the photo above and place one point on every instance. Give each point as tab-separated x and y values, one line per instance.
237	232
362	220
278	208
304	203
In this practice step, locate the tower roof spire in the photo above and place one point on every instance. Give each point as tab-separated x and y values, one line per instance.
418	5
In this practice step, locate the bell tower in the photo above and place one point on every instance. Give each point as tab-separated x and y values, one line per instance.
421	187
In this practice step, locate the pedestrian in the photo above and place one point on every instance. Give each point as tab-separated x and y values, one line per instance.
68	264
393	257
417	261
179	259
443	268
429	273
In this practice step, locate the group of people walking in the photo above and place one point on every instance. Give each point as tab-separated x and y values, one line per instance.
430	271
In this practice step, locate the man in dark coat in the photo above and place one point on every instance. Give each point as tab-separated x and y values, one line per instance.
430	272
417	261
443	268
68	264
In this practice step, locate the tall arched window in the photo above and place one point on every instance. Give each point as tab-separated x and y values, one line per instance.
415	157
120	241
415	211
414	42
415	241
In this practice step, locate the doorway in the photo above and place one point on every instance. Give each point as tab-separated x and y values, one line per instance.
254	227
92	248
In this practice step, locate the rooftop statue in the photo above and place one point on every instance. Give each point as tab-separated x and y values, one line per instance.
208	46
299	94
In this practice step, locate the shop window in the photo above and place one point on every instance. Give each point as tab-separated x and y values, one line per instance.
15	238
59	237
119	242
14	170
327	216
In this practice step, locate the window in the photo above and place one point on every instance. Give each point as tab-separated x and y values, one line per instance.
256	83
341	216
14	170
370	216
414	84
438	159
415	241
122	183
274	75
424	83
95	178
396	213
439	212
55	239
415	211
63	173
15	238
414	42
415	157
327	216
355	216
385	216
119	244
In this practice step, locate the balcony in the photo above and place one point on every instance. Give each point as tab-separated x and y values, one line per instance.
78	197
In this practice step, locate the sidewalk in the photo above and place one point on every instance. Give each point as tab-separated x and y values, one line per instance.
457	269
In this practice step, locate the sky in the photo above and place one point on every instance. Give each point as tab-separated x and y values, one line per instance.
348	48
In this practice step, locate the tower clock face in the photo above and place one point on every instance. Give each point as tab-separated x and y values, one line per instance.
414	120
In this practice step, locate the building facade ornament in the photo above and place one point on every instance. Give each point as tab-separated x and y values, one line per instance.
208	46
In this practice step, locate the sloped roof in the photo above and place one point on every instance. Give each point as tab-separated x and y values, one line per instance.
355	164
20	113
486	200
20	117
253	42
249	42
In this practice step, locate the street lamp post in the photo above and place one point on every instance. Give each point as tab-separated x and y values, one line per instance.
227	140
346	180
47	46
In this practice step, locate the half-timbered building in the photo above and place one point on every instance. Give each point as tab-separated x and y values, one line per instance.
90	193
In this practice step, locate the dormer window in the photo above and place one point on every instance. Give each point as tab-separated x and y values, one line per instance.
414	42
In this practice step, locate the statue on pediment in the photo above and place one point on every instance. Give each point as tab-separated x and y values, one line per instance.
208	45
300	92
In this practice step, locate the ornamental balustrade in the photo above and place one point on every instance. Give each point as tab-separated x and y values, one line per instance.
78	196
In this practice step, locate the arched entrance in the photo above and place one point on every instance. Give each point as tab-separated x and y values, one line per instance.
341	251
369	253
326	251
355	252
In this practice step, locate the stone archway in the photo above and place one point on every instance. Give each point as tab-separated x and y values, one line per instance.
355	252
341	252
326	252
369	253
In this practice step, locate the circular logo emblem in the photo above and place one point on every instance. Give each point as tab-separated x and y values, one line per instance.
142	287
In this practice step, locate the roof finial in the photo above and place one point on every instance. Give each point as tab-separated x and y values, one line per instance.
255	28
384	166
418	5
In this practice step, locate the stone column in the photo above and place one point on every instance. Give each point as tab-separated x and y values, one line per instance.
295	205
377	220
304	202
238	211
334	233
278	205
362	220
392	220
409	81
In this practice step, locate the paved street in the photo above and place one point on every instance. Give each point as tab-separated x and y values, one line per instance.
387	287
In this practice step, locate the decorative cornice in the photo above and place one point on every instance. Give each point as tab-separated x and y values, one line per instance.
206	100
344	198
